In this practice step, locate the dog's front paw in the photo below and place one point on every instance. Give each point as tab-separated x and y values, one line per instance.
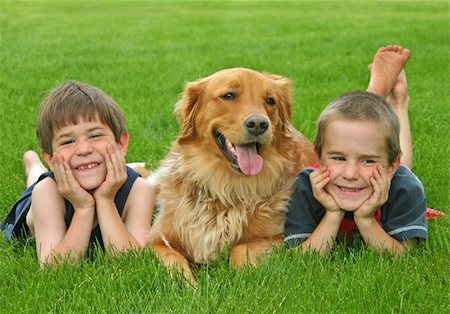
175	262
250	254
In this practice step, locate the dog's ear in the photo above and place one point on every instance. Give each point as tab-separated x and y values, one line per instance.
186	109
284	90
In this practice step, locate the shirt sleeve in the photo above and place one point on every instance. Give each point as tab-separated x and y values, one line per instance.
404	215
304	212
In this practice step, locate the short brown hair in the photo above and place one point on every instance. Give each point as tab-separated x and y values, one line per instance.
71	103
362	106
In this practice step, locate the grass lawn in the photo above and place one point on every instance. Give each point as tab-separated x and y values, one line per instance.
142	53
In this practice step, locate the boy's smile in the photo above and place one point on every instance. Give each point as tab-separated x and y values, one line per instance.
87	174
351	152
84	147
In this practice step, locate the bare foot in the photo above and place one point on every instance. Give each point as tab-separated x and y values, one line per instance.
33	167
385	69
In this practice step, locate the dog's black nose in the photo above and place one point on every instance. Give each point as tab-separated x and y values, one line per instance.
256	124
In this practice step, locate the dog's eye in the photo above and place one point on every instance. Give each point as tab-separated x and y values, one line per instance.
270	101
229	96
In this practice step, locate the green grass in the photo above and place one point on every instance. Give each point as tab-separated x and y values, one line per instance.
142	54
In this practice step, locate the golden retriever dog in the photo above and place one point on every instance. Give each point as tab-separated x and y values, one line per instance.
228	177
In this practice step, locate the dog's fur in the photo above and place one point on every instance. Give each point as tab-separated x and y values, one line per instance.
206	202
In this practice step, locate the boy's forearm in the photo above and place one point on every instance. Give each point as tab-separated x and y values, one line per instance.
114	231
323	237
375	237
75	242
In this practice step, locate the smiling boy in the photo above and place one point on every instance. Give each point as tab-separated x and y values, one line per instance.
90	196
359	181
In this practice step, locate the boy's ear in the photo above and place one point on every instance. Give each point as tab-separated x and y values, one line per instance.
47	158
392	168
319	160
123	142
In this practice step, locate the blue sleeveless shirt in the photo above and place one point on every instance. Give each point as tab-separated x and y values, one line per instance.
15	224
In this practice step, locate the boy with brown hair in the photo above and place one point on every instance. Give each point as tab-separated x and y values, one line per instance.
360	181
91	196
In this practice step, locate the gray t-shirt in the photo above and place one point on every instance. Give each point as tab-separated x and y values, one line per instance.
403	216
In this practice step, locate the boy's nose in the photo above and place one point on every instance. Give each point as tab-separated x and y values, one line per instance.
84	147
350	171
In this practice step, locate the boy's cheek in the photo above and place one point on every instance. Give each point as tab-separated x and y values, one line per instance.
333	170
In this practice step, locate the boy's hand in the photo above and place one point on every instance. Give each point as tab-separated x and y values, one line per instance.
381	183
116	174
69	187
319	178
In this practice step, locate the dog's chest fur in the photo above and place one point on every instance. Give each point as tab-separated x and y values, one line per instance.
214	215
211	228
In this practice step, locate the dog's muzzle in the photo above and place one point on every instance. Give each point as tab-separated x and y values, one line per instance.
245	158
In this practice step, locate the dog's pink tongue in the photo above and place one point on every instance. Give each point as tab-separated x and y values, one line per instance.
248	159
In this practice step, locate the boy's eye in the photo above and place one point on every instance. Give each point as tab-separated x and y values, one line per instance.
368	161
66	142
95	135
338	158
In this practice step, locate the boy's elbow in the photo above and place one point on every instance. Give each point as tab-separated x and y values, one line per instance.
409	244
54	260
402	247
309	247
